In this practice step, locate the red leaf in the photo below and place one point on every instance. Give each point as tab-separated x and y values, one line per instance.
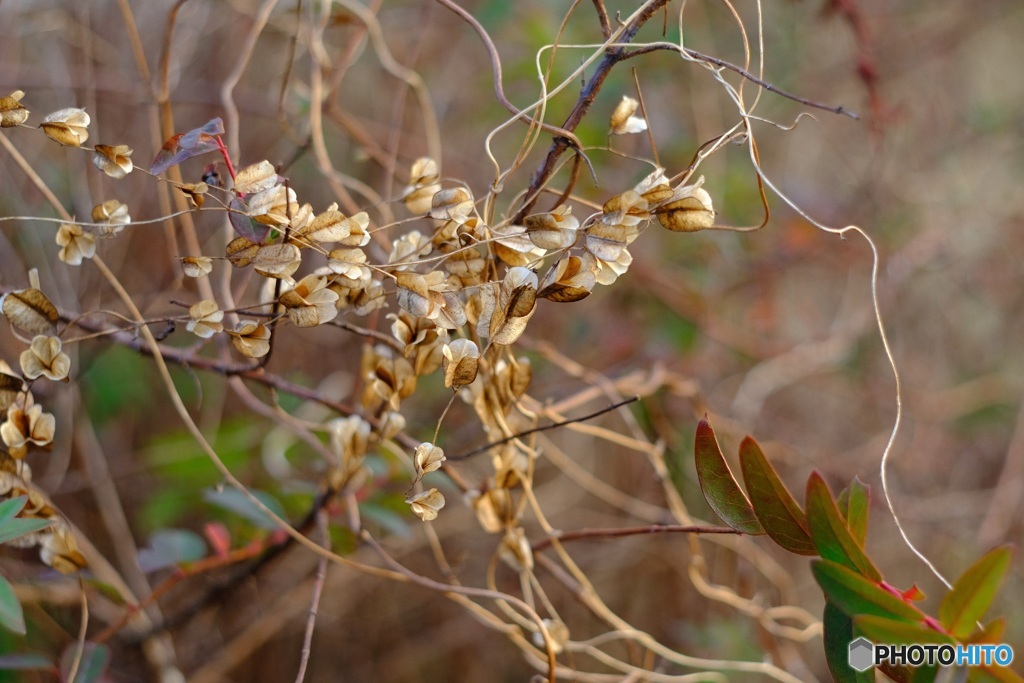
719	486
187	145
219	538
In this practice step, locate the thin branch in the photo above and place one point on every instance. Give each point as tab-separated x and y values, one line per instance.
563	536
602	16
708	59
583	104
318	588
543	428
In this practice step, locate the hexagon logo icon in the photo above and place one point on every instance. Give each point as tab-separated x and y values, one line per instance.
862	654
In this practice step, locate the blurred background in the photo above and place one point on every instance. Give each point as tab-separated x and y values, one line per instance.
771	333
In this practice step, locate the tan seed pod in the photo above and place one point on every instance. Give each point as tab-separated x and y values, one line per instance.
205	319
31	312
116	161
252	339
112	216
75	244
426	505
277	260
67	126
623	119
241	252
461	362
12	113
44	358
195	193
256	178
197	266
691	211
427	458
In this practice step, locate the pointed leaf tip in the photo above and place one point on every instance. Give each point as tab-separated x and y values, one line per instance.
774	505
831	535
974	592
718	484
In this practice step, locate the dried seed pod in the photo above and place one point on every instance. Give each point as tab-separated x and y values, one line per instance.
506	310
205	319
256	178
623	119
195	193
427	458
568	280
277	260
272	206
112	216
27	425
31	312
116	161
310	302
422	187
455	204
553	230
44	358
241	251
197	266
689	211
11	112
461	362
426	505
67	126
251	338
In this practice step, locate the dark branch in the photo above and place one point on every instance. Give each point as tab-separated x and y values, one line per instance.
701	57
544	428
613	56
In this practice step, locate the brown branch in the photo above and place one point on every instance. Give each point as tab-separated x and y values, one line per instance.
701	57
543	428
613	56
602	16
563	536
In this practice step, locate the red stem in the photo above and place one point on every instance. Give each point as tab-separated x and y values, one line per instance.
227	158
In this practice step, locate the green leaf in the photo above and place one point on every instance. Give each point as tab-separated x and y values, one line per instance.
856	595
991	634
838	634
20	526
10	508
829	532
12	617
92	665
235	501
973	592
898	632
719	487
853	503
780	515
